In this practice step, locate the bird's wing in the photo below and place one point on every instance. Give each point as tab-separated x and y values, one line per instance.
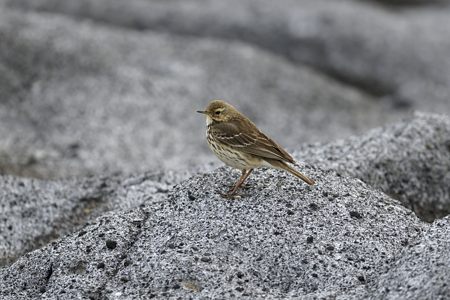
244	136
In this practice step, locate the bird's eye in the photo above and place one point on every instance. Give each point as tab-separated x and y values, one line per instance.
217	112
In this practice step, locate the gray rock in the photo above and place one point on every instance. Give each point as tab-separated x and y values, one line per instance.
81	98
410	161
34	213
280	239
400	56
97	249
421	271
408	3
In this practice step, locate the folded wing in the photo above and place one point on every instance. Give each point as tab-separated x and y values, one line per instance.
244	135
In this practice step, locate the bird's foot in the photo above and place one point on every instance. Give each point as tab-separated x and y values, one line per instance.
247	186
231	194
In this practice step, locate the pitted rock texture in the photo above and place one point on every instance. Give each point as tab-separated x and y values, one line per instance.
341	238
280	239
410	161
423	268
36	212
98	101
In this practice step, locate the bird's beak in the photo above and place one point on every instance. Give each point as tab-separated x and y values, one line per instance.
201	112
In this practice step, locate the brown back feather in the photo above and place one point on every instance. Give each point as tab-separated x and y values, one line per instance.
242	134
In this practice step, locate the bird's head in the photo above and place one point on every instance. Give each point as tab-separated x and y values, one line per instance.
219	111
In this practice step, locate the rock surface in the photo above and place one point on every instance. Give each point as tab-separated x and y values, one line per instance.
410	161
84	87
341	238
423	268
398	55
94	94
36	212
128	102
281	239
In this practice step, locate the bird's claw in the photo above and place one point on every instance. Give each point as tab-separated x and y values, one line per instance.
229	195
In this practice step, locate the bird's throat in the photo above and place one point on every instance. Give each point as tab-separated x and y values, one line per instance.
209	120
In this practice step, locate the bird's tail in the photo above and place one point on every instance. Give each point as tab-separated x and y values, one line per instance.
282	165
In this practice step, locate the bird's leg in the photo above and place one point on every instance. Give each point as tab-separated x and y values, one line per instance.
244	176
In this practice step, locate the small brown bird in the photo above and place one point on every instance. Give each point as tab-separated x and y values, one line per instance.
237	142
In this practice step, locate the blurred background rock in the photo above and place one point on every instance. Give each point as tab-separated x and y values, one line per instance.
88	87
110	87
